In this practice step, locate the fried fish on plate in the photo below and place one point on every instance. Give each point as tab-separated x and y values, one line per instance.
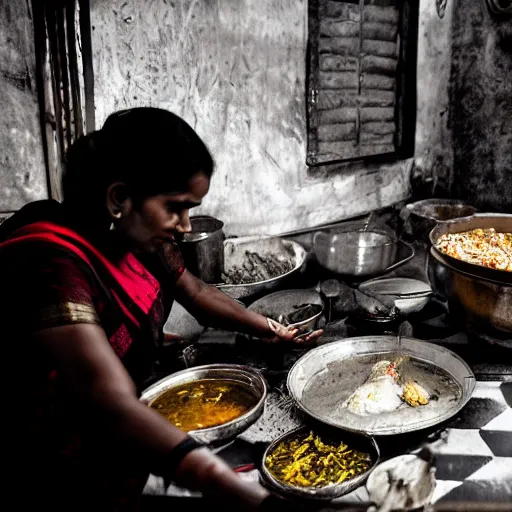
381	393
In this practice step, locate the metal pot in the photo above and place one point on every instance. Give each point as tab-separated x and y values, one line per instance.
500	222
485	305
203	249
422	216
360	254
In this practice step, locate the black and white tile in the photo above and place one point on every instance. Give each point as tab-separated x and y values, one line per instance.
474	463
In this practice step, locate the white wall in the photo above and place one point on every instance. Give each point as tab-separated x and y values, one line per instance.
235	70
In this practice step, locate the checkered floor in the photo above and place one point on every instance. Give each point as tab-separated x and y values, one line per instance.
474	460
473	454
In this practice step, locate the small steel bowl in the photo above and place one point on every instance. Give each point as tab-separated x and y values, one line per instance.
221	434
410	295
284	301
357	441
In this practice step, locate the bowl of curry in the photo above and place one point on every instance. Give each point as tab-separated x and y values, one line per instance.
212	403
318	462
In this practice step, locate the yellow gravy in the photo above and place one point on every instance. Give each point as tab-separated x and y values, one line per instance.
204	403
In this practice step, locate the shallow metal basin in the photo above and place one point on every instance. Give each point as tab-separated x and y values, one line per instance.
244	375
234	254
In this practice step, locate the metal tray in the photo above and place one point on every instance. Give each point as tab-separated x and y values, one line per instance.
321	380
501	222
234	251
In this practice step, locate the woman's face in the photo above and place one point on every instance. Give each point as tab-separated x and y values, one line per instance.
163	217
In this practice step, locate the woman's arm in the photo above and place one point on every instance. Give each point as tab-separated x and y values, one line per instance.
213	308
93	373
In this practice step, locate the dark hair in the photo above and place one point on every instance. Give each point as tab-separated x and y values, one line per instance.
152	150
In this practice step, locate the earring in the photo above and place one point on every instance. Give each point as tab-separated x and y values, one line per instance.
112	225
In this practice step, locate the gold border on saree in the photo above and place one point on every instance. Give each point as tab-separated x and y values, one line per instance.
70	313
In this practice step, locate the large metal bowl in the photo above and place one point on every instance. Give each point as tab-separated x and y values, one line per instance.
500	222
359	254
409	295
234	251
244	375
357	441
483	304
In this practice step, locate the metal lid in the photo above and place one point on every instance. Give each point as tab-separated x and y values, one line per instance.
396	286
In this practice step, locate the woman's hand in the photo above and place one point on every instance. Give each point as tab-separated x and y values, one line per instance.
283	333
213	308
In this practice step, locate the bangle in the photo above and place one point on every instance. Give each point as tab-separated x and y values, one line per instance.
272	325
179	452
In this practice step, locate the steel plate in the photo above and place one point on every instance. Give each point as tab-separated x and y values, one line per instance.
321	380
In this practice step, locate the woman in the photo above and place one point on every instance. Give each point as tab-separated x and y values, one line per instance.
87	286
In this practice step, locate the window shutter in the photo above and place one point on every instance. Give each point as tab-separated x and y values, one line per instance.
353	79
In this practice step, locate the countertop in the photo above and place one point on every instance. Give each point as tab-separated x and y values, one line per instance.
472	451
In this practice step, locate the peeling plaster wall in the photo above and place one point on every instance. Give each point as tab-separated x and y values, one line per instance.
235	70
464	124
22	169
481	106
433	161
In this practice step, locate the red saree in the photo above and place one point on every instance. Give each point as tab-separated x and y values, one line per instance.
52	276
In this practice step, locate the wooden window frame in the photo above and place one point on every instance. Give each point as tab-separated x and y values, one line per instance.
65	80
405	93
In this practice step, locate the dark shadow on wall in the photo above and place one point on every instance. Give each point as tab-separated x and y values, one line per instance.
481	106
